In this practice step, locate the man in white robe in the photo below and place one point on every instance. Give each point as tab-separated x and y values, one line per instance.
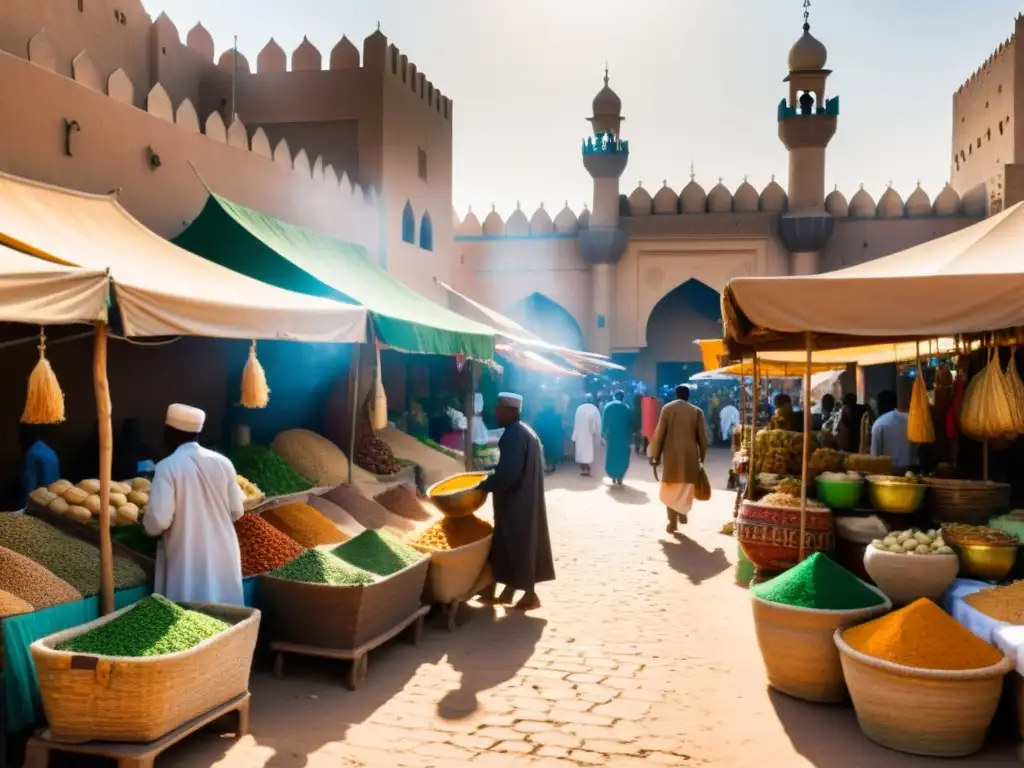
193	504
585	432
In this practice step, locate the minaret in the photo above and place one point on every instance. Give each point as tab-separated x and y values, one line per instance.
602	244
807	122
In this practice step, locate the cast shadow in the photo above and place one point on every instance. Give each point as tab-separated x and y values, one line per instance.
627	494
693	561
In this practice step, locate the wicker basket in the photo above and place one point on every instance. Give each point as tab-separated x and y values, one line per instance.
453	573
930	712
340	618
110	698
799	653
966	501
906	578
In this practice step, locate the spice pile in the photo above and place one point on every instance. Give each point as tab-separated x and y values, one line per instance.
378	552
780	499
136	539
263	547
313	456
154	627
267	470
1002	603
374	455
12	605
403	501
923	636
959	533
368	513
302	523
819	583
453	532
458	483
34	584
317	567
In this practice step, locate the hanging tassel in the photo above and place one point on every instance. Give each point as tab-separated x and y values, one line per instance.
44	403
255	392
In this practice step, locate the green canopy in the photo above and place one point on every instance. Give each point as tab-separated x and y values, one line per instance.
301	260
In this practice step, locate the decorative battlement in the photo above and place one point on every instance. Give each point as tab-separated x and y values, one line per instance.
998	56
400	67
831	109
605	143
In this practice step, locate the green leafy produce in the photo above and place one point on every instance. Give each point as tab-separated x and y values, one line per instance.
268	470
133	536
378	552
154	627
317	567
440	448
820	583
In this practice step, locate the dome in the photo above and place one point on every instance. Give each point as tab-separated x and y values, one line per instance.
693	198
745	200
565	221
540	222
862	206
719	199
607	103
947	203
517	225
773	198
640	202
470	225
890	205
807	53
918	204
584	220
493	224
835	204
666	201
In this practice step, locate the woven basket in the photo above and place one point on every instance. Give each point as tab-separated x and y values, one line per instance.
906	578
111	698
340	618
799	653
453	573
966	501
930	712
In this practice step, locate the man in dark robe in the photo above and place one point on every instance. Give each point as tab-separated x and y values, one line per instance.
521	551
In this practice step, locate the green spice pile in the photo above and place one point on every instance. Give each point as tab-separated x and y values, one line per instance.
378	552
74	561
317	567
820	583
267	470
133	536
154	627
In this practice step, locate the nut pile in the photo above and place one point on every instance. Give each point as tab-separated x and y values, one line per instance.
263	546
301	523
315	566
374	455
453	532
378	552
913	542
30	581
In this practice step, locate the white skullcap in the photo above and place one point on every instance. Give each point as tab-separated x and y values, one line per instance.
185	418
511	399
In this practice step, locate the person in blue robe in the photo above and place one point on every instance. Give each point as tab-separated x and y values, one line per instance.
617	433
551	432
40	466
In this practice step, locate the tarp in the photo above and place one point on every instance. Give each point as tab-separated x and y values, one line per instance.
769	369
161	289
869	354
43	293
970	281
301	260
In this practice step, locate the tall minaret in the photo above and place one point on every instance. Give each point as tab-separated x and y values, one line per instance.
807	122
602	244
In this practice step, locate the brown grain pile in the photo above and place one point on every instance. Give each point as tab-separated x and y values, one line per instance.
300	522
12	605
263	547
453	532
1002	603
28	580
402	500
368	512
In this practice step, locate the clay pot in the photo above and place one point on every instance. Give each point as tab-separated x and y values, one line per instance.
770	536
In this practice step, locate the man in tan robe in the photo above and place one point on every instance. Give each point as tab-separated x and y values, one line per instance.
680	445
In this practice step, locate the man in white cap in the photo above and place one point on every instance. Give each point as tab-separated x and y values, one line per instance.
521	548
193	505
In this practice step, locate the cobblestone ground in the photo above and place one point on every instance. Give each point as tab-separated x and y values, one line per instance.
643	655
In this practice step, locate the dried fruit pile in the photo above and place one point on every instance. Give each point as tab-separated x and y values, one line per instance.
374	455
263	546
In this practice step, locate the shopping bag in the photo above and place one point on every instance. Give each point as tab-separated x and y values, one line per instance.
702	491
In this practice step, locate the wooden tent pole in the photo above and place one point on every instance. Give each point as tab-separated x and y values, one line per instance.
355	364
807	446
106	436
468	403
754	407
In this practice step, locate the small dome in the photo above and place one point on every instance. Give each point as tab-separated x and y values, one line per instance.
745	200
493	224
666	201
773	198
470	225
862	206
693	198
807	53
565	221
540	222
607	103
640	202
835	204
517	225
947	203
719	199
918	204
584	220
890	205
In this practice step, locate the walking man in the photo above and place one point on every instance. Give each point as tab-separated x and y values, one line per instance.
680	445
616	430
585	433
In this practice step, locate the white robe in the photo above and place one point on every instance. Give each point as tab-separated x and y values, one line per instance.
730	417
585	431
194	503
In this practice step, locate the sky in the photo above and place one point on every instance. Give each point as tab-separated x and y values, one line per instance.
700	81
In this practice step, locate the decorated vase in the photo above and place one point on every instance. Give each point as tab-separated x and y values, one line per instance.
770	535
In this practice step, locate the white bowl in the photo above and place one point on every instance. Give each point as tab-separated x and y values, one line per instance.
906	578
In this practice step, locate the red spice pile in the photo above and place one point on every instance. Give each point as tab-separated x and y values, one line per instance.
263	547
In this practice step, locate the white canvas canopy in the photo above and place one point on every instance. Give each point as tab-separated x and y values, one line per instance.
970	281
42	293
161	289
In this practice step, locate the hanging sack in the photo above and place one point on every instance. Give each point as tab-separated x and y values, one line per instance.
1015	391
920	428
380	400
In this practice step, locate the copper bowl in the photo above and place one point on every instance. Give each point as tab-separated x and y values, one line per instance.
895	497
462	502
988	562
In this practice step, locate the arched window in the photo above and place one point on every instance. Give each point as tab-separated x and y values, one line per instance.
408	224
426	233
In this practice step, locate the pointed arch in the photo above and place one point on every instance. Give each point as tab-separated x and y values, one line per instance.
408	224
426	233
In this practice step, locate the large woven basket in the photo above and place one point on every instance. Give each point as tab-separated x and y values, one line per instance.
966	501
930	712
340	618
799	653
111	698
454	573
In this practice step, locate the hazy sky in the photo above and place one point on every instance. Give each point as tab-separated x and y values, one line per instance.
699	80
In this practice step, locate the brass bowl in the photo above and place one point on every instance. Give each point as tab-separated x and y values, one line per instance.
988	562
896	498
460	503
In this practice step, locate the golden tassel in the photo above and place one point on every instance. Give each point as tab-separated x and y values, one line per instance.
255	392
44	403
